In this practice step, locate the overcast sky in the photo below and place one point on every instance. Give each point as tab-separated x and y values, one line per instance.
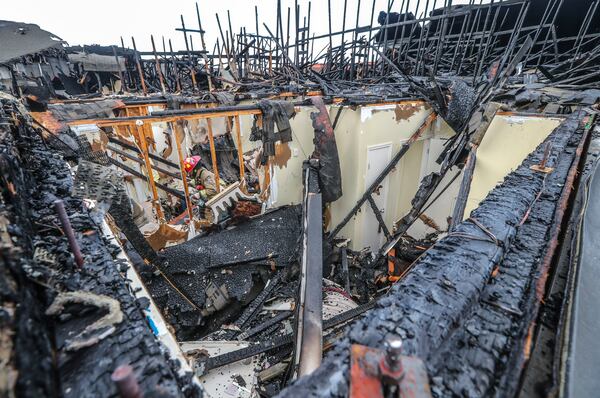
105	21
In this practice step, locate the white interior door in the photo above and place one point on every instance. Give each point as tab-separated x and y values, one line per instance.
378	156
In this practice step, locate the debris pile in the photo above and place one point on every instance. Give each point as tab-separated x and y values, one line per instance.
383	215
92	322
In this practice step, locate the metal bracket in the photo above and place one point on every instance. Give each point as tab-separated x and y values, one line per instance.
541	168
372	370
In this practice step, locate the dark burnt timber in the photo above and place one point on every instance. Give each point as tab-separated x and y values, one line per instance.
33	176
490	349
448	283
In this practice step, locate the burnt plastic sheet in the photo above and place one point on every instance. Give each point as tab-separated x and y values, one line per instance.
272	236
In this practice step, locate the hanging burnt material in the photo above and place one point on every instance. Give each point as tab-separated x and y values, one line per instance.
462	99
330	174
273	112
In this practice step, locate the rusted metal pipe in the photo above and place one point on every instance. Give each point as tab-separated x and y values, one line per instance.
546	154
59	206
126	382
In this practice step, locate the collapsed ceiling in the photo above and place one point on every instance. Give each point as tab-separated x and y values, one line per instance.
397	212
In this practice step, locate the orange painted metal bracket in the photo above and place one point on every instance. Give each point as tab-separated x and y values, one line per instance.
372	371
364	379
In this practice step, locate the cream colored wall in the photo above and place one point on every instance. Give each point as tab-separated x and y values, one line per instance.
357	130
379	125
507	142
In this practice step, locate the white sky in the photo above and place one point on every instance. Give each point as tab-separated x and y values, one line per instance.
105	21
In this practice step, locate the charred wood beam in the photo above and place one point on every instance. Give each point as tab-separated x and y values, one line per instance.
364	29
252	310
465	187
264	325
285	340
189	30
380	220
136	150
431	182
520	352
508	306
140	161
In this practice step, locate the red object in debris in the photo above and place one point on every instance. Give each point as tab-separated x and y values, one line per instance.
371	369
190	163
364	380
245	208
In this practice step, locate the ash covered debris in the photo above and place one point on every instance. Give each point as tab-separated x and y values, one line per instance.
234	263
46	270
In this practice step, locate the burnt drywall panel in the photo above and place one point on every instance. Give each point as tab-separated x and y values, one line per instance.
507	141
